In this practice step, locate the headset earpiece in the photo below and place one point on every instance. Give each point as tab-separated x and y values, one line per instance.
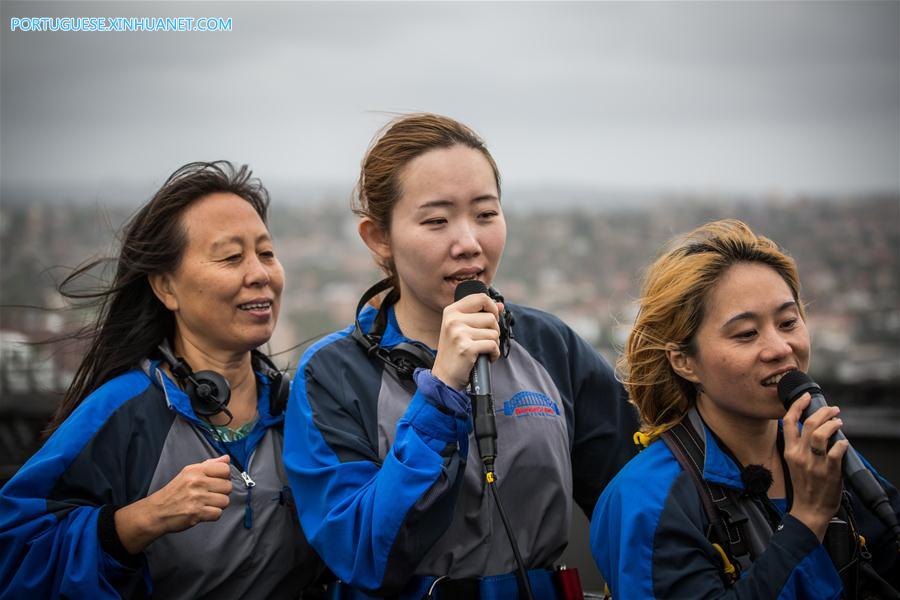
279	394
404	358
279	385
407	357
209	393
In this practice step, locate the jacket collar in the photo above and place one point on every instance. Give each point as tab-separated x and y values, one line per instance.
718	466
392	334
178	401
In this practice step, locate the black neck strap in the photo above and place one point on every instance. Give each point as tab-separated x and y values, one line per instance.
380	324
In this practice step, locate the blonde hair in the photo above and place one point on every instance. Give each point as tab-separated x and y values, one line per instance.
671	309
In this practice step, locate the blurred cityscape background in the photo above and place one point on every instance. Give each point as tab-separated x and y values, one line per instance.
577	258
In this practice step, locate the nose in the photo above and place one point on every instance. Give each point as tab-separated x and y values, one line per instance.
776	346
465	243
257	273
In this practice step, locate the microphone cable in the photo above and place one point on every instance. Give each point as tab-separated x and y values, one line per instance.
521	573
485	430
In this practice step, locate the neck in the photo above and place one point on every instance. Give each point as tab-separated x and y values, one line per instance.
236	368
752	441
418	322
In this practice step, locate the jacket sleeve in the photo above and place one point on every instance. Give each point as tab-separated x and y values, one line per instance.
50	545
371	520
648	538
604	423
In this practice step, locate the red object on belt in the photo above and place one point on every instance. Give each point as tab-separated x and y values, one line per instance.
569	584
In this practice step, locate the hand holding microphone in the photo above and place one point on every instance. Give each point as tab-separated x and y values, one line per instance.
469	329
791	388
815	473
470	340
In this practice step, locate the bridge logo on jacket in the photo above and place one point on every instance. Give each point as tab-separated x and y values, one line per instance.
530	404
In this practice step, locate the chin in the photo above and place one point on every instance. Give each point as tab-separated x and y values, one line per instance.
253	342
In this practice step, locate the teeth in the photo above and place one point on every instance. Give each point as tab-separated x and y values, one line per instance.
464	277
773	379
255	305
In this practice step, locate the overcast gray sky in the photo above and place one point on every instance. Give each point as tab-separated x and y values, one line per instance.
744	96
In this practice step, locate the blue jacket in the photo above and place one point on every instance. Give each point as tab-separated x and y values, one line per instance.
125	441
387	478
648	536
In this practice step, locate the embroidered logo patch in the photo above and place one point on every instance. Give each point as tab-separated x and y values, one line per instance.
526	404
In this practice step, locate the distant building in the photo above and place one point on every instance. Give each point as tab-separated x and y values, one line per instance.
27	372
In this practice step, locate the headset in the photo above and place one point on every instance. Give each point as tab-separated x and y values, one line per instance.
404	358
209	391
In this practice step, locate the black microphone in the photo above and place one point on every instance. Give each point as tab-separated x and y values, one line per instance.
796	383
480	390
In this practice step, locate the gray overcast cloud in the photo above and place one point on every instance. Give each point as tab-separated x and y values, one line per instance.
745	96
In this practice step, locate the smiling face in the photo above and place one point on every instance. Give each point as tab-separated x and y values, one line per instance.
752	333
226	291
446	227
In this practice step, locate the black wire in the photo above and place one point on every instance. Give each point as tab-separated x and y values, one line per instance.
521	574
299	344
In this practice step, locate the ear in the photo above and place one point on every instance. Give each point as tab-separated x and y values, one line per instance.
681	363
377	239
161	284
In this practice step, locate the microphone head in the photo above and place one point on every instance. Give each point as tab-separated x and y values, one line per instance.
469	287
793	385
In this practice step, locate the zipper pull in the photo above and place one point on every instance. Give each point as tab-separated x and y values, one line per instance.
247	481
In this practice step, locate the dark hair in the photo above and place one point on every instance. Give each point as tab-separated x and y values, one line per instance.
130	321
400	141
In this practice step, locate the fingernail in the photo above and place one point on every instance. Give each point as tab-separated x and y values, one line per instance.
840	422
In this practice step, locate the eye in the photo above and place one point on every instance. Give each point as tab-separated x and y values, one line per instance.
789	324
267	254
435	221
234	258
745	335
488	214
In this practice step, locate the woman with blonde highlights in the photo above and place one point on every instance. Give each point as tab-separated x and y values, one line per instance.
732	504
378	437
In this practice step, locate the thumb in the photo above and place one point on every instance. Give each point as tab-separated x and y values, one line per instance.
220	459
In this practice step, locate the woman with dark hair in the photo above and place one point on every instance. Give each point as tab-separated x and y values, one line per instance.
163	472
391	489
733	502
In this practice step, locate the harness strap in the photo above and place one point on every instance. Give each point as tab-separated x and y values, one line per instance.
727	521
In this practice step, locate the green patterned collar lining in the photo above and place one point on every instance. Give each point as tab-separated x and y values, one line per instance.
232	435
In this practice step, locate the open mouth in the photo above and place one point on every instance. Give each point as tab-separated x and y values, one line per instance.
463	277
774	379
256	306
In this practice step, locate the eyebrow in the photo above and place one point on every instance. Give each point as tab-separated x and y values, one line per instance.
450	203
236	239
752	315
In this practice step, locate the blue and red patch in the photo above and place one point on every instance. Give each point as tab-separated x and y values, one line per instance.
527	404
